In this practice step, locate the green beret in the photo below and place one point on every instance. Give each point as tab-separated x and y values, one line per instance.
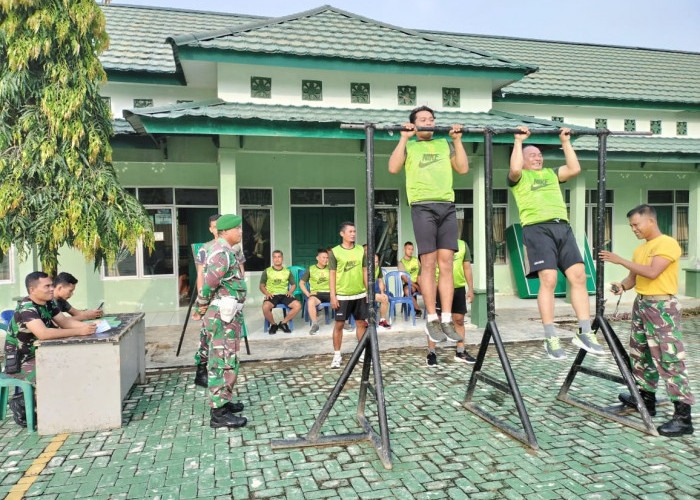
228	221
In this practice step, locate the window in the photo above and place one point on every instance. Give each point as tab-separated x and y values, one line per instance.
311	90
256	210
6	267
601	123
450	97
672	214
592	219
143	103
464	203
406	95
327	197
630	125
655	126
260	87
359	93
204	197
681	128
386	218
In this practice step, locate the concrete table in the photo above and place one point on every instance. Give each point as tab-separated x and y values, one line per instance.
82	381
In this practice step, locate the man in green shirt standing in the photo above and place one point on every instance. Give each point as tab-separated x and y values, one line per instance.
319	290
277	285
548	240
411	265
429	164
348	284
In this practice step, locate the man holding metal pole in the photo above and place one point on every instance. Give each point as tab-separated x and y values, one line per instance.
656	343
429	163
548	240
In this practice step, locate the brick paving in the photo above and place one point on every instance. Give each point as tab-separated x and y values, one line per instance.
166	448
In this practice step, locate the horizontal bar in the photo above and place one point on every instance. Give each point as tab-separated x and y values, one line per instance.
601	374
494	130
606	413
501	425
494	382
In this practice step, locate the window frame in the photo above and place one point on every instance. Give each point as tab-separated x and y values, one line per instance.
270	209
675	205
10	259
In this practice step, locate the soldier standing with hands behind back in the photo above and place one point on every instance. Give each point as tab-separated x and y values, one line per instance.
656	343
221	302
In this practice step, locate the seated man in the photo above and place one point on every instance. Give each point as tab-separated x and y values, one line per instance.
36	317
380	294
410	265
277	285
319	287
63	288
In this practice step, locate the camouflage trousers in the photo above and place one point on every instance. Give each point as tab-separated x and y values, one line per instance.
27	371
656	348
222	363
201	357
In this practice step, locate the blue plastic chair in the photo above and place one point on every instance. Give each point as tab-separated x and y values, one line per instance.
325	305
266	325
6	318
394	288
6	382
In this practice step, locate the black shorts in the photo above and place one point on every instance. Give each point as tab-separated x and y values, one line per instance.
322	296
435	226
549	245
280	299
459	301
356	307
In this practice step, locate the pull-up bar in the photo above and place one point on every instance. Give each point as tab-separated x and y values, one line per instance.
492	130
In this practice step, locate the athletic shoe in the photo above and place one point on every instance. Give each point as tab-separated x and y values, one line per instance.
337	359
434	331
465	357
285	327
19	412
347	327
314	329
383	323
554	349
449	330
273	329
431	360
589	342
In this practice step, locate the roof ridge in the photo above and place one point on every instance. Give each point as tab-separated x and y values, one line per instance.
312	12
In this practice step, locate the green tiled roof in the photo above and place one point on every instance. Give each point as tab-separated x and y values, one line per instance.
212	116
635	144
137	35
571	70
333	33
122	127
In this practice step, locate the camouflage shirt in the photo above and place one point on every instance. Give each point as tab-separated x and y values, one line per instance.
18	335
222	274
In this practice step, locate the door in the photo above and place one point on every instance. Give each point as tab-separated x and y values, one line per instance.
314	228
193	227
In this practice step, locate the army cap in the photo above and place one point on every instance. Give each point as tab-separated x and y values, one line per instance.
228	221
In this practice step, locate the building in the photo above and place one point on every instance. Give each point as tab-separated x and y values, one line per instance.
233	113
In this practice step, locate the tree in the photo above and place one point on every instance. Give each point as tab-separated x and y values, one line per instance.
58	184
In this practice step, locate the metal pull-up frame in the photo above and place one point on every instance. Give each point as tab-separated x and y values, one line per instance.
369	343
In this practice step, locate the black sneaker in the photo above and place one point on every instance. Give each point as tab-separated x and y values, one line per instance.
201	378
285	327
273	329
465	357
431	360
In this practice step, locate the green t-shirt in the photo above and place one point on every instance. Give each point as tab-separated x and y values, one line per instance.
411	266
317	279
538	196
460	257
348	265
429	171
277	281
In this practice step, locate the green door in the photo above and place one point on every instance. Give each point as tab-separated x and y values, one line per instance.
314	228
193	227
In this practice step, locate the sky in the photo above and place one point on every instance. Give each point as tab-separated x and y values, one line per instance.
659	24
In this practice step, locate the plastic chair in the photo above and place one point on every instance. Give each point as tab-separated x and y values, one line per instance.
266	326
28	389
394	288
297	273
325	305
6	318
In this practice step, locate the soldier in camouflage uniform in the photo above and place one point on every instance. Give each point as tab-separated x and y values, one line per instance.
36	317
656	343
223	282
201	357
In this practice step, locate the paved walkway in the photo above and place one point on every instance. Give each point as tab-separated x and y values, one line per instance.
166	448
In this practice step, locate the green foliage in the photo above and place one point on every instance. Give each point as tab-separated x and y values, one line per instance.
58	184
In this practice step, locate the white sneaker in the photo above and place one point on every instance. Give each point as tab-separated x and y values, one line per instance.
337	359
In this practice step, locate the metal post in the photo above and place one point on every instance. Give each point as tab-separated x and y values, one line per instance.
490	245
600	233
